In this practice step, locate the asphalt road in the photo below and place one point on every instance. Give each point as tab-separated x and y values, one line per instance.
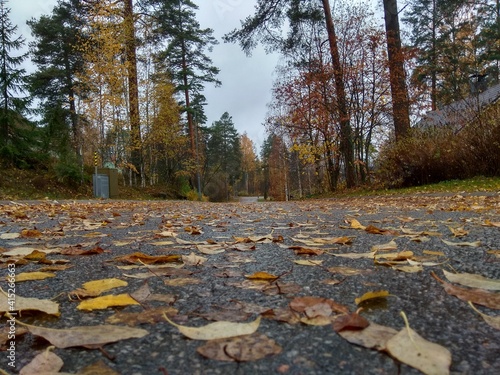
256	237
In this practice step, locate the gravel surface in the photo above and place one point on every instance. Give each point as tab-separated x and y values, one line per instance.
223	291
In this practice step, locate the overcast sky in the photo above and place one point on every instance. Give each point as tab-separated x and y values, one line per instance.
246	81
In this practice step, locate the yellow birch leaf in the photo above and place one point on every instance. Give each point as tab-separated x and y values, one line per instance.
409	347
371	295
493	321
473	280
307	262
104	302
217	330
261	276
356	224
97	287
27	276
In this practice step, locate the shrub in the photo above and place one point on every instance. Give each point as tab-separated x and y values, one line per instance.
440	154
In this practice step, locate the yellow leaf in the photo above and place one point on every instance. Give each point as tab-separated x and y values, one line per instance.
217	330
261	276
371	295
104	302
356	224
472	280
103	285
27	276
471	244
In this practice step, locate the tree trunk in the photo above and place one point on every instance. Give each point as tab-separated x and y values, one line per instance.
346	144
400	103
133	91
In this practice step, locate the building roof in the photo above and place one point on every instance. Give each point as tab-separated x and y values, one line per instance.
461	112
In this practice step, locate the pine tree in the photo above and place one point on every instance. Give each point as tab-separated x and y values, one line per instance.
58	62
185	55
15	130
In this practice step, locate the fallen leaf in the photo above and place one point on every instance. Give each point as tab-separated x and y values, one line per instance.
493	321
210	249
402	255
193	259
374	336
348	271
44	363
31	233
9	236
28	276
240	349
352	321
472	280
355	224
308	262
28	304
97	287
369	255
88	336
471	244
181	281
391	245
459	232
79	251
371	295
138	257
97	368
306	303
477	296
150	316
409	347
217	330
104	302
261	276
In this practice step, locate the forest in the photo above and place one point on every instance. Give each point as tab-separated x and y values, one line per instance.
119	84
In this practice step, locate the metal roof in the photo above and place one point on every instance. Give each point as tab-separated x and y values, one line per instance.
459	113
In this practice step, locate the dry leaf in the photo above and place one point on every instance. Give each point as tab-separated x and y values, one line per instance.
391	245
261	276
193	259
88	336
79	251
369	255
104	302
240	349
28	276
352	321
138	257
409	347
308	262
181	281
348	271
98	368
472	280
97	287
471	244
44	363
150	316
493	321
374	336
9	236
29	304
477	296
356	224
371	295
302	304
459	232
217	330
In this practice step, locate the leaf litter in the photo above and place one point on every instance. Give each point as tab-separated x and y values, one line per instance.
307	246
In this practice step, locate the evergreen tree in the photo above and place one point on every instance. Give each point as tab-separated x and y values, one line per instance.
58	61
15	130
224	153
185	55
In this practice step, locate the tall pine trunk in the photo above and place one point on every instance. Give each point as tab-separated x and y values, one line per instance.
346	144
399	92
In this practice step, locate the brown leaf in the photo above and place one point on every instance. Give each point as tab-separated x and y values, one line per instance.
31	233
301	304
150	316
351	321
477	296
80	251
44	363
138	257
240	349
98	368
